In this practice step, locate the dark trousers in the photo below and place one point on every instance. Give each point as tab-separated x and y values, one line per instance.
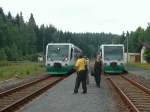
81	78
97	77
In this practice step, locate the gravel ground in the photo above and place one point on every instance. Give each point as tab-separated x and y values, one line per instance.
11	83
60	98
140	75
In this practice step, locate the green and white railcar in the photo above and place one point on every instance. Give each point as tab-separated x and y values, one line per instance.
60	58
112	58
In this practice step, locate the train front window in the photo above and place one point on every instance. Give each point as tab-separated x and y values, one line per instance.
58	52
113	53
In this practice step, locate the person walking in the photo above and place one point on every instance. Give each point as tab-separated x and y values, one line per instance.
81	74
97	70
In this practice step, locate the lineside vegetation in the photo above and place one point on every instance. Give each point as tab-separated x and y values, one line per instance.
144	66
18	70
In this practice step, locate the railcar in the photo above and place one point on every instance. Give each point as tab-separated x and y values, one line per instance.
112	58
60	58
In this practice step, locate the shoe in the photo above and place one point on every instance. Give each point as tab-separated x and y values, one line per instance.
84	92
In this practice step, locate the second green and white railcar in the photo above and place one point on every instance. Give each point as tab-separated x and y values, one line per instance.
112	58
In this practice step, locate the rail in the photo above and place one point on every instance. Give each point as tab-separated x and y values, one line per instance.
135	95
12	99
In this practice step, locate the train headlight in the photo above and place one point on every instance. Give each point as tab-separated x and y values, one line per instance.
66	59
48	64
121	64
105	64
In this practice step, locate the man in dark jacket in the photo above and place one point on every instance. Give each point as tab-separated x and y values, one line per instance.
98	70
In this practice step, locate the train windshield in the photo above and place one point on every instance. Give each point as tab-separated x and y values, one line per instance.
113	52
58	52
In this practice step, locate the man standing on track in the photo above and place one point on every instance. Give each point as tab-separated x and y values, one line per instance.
81	74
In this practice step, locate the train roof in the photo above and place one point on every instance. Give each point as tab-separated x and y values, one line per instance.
112	45
60	44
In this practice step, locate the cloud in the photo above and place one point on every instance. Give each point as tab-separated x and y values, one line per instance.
84	15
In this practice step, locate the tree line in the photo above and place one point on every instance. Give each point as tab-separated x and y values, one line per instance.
20	40
136	40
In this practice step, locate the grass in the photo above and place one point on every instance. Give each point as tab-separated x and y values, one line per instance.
144	66
18	70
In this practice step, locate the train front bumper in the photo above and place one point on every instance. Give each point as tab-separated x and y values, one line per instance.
64	70
113	69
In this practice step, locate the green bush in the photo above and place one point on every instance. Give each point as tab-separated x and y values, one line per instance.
3	55
147	55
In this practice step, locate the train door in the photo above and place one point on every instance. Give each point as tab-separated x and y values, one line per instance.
71	54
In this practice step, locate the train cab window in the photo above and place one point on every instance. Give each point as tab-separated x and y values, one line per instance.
71	54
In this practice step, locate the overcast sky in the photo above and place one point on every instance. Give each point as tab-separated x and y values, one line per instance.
113	16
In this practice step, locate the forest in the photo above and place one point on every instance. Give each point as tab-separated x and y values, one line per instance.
25	40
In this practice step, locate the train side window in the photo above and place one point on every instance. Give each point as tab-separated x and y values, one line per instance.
71	53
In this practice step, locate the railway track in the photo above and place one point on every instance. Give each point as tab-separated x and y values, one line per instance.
136	96
12	99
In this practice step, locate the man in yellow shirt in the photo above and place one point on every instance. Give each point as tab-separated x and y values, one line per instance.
81	74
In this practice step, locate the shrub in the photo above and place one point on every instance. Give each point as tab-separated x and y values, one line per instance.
147	55
3	55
